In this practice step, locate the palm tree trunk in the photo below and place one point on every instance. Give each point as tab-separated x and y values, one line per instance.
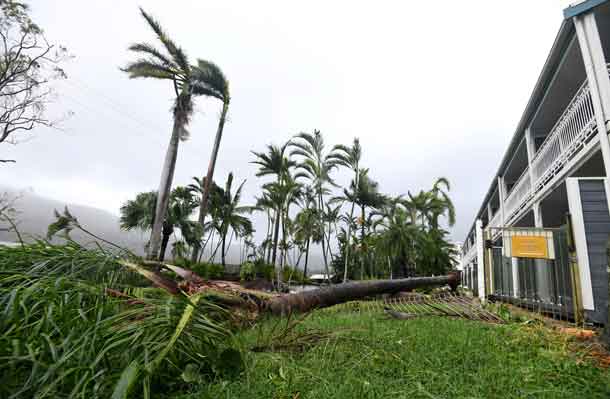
321	207
347	242
276	237
306	259
349	226
203	206
328	296
362	243
165	186
222	253
164	241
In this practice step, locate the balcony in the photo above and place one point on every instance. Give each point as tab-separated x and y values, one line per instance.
574	128
569	135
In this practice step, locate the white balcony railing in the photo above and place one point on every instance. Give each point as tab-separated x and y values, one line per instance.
469	255
571	132
569	135
518	195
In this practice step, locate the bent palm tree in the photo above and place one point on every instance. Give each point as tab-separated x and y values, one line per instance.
208	80
171	64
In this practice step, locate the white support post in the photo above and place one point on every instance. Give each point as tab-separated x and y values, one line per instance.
531	153
597	77
480	242
502	194
515	270
542	266
537	210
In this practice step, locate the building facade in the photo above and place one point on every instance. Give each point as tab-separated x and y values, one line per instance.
554	174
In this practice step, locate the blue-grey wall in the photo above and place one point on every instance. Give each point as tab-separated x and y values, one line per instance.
597	230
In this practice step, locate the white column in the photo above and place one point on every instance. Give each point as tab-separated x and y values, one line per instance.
543	272
515	270
537	210
597	77
531	153
502	195
480	243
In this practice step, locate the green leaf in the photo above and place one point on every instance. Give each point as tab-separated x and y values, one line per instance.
128	377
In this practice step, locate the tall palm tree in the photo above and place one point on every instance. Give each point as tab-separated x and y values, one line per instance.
274	162
265	204
315	166
365	195
209	80
350	158
169	63
229	215
139	214
215	192
282	194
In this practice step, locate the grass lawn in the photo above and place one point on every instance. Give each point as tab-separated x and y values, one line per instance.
371	356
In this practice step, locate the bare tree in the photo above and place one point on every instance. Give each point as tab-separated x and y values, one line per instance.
28	66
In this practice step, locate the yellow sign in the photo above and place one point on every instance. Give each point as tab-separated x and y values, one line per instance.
529	247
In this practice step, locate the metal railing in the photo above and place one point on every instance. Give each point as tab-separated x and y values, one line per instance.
518	195
571	132
470	255
569	135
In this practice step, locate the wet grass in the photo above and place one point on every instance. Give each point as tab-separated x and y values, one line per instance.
370	356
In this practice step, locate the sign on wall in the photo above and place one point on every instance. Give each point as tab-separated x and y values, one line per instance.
528	243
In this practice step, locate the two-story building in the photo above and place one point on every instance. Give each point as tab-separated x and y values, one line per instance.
554	172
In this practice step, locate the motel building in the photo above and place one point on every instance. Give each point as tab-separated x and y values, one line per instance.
540	237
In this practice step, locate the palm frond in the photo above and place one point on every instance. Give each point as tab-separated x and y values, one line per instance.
174	50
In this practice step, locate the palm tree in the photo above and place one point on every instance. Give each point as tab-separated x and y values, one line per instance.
315	166
307	229
215	192
230	215
274	162
442	204
350	158
365	195
139	214
282	194
169	63
208	79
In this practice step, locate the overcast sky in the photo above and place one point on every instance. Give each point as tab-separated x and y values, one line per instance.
430	88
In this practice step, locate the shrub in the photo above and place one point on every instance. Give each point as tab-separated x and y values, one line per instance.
293	274
247	272
263	269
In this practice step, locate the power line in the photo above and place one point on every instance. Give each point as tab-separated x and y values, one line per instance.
116	106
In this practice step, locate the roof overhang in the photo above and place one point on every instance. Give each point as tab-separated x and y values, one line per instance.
581	8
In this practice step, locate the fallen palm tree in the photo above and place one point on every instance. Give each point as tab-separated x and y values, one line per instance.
341	293
95	323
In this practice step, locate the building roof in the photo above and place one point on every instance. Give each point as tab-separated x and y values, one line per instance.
582	7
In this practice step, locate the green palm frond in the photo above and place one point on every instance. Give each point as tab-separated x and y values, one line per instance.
208	79
177	53
152	51
84	325
145	68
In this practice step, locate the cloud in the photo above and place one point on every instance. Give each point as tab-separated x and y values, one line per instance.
431	89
